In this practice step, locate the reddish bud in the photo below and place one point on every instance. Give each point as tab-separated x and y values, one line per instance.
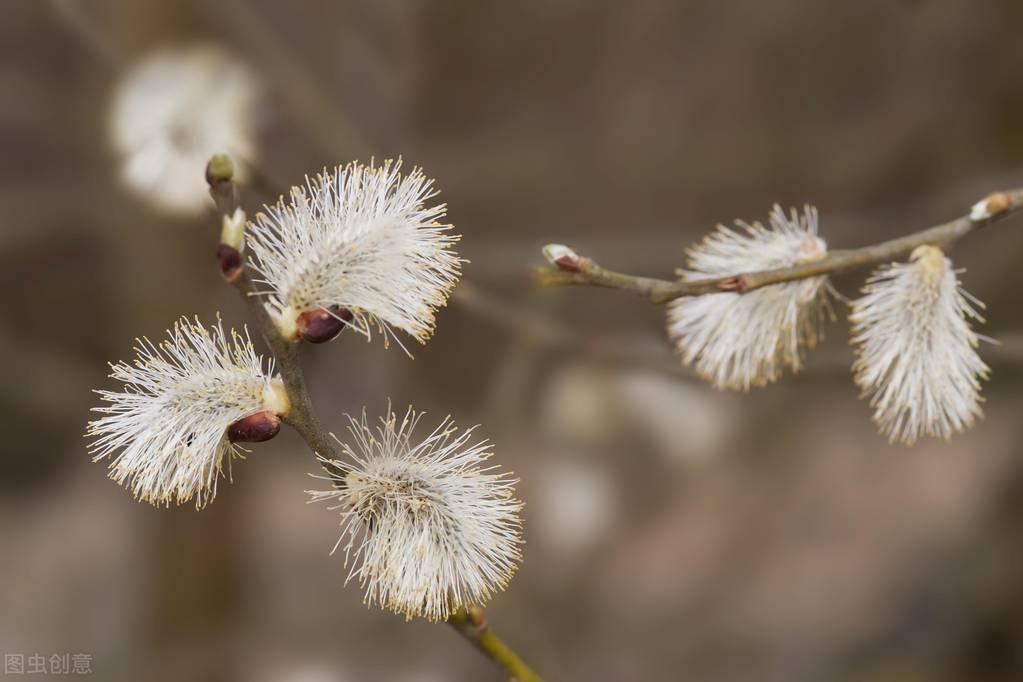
565	258
569	263
230	260
255	428
320	326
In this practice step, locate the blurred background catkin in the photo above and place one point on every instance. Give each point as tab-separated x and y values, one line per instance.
673	532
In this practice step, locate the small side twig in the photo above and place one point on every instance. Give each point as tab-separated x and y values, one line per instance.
85	27
569	268
555	334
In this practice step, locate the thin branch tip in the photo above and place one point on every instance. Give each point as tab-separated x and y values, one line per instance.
583	271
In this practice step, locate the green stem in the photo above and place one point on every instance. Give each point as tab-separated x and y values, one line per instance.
472	624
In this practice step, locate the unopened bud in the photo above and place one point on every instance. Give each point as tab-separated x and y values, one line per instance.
220	169
232	229
989	206
219	175
230	260
320	326
564	258
255	428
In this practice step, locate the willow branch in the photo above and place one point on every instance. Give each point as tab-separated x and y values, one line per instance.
301	417
219	176
569	268
472	624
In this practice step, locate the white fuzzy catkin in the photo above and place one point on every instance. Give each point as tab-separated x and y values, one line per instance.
362	238
165	432
736	341
427	526
916	353
174	109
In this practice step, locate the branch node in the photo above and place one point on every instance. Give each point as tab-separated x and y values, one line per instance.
739	284
478	618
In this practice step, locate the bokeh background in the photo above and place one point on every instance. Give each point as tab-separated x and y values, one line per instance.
673	532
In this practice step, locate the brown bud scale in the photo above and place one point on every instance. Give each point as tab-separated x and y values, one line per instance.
255	428
568	263
320	326
230	260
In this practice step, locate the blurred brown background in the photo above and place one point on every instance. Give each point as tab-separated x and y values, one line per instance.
673	532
